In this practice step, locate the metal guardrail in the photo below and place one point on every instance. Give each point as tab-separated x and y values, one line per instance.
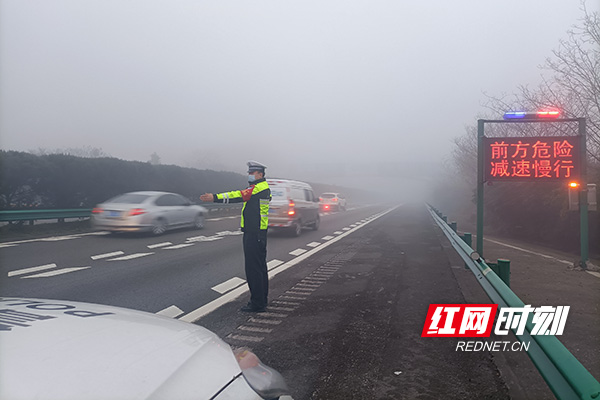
33	215
563	373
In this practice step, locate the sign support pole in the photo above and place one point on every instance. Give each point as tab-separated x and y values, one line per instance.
583	195
480	183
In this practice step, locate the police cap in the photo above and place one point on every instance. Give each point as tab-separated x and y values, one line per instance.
256	166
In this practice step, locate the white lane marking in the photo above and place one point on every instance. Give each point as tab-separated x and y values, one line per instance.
264	321
204	238
230	233
178	246
531	252
353	225
307	285
77	236
304	288
245	338
273	315
163	244
338	232
7	245
596	274
273	308
228	285
297	252
313	244
274	263
254	329
293	293
107	255
327	237
287	303
30	270
59	238
292	297
171	312
130	257
346	229
235	293
56	272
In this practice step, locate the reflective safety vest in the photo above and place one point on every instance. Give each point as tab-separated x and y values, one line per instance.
256	198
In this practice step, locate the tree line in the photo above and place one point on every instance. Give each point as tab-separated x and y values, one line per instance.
65	181
62	181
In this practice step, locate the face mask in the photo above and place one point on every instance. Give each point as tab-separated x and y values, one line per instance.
251	178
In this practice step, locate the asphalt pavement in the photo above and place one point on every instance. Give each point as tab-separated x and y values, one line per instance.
347	322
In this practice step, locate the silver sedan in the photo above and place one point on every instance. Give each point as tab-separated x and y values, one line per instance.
154	212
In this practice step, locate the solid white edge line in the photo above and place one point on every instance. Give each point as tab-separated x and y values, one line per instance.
200	312
32	269
171	312
594	273
530	251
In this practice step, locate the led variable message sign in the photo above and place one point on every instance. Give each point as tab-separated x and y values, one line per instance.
548	158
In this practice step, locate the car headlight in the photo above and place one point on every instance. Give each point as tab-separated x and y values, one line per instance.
265	381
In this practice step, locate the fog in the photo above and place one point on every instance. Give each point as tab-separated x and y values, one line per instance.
356	93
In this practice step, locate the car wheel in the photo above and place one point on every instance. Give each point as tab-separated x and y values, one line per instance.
315	225
199	221
297	228
159	227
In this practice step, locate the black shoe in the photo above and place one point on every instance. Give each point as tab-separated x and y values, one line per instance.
251	308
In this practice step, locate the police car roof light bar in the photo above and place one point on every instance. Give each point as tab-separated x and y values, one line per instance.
531	115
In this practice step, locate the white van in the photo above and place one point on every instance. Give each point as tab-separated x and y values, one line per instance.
293	206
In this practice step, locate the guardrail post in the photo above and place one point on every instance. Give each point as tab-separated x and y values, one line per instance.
468	239
453	226
445	218
504	271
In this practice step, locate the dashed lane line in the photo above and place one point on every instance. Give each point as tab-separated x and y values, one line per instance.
338	232
228	285
273	263
327	237
56	272
171	312
130	257
30	270
179	246
297	252
163	244
313	244
107	255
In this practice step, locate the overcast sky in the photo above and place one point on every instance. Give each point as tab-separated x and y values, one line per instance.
317	90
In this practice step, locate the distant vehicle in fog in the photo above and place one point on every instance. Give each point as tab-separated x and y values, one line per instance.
293	206
332	201
154	212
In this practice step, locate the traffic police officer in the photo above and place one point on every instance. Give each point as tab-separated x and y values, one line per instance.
255	222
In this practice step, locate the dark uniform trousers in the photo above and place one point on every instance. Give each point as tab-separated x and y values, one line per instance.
255	254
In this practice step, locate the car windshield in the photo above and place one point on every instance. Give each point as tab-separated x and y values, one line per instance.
328	195
129	198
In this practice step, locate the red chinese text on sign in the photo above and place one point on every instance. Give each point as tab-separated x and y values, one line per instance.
532	158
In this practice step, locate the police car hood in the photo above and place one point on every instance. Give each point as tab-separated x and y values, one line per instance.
53	349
